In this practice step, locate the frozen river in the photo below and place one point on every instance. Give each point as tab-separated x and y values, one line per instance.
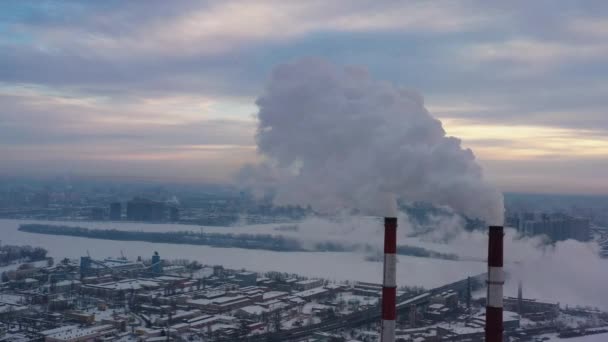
337	266
569	273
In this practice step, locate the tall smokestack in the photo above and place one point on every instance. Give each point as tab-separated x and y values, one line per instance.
389	286
496	280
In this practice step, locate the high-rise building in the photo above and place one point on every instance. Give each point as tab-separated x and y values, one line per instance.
557	227
41	199
173	214
141	209
85	266
97	214
157	264
115	211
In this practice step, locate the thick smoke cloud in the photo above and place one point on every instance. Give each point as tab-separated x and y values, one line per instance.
569	272
335	138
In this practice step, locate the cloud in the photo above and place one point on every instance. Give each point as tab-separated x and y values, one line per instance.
559	174
514	64
194	45
595	28
538	54
529	141
81	112
62	132
218	27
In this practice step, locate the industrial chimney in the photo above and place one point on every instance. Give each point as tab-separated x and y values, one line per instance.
496	280
389	285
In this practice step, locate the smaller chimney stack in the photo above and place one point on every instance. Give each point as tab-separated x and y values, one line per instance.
496	279
389	285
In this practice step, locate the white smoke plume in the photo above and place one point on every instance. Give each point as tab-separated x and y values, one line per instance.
335	138
569	272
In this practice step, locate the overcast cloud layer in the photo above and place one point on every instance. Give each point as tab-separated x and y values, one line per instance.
166	90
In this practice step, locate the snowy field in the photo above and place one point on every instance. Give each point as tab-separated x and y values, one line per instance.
589	338
411	271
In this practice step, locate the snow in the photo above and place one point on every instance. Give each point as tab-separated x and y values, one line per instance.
273	294
349	298
309	308
74	331
14	266
588	338
254	310
411	271
310	293
11	299
136	284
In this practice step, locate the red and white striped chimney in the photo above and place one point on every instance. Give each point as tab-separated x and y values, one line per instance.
389	285
496	279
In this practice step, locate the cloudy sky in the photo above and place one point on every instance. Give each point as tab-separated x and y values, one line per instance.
166	90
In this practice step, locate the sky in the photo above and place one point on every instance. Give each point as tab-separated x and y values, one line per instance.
166	90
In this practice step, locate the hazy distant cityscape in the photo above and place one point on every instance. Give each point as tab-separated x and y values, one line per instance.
54	297
559	217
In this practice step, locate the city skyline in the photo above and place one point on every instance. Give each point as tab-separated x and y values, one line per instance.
168	92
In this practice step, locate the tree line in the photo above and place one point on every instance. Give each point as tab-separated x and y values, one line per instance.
226	240
10	253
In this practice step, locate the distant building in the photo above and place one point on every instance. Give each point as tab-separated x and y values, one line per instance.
532	309
218	271
246	278
97	214
89	267
557	227
157	264
85	266
117	289
141	209
368	289
312	294
115	211
173	214
308	284
220	304
41	199
62	286
75	333
448	298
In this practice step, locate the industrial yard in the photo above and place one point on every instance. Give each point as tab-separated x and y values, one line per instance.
153	299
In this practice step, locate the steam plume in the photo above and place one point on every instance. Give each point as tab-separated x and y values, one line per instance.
335	138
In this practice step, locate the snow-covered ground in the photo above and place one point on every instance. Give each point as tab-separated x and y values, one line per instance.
588	338
16	265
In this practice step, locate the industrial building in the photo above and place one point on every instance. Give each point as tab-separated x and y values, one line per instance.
368	289
246	278
532	309
76	333
308	284
90	266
